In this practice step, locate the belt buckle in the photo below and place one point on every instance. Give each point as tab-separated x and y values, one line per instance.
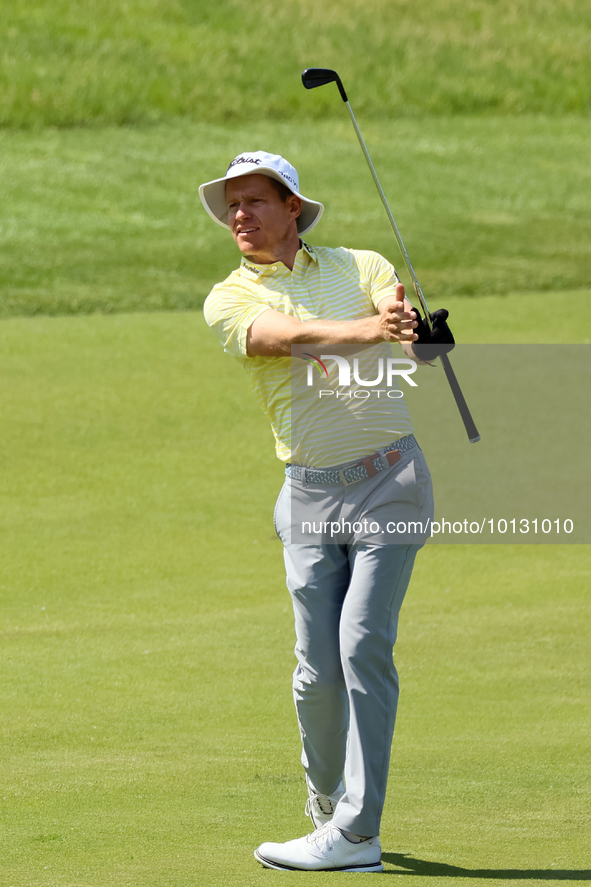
345	480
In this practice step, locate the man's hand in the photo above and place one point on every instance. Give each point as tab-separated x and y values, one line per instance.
397	319
433	343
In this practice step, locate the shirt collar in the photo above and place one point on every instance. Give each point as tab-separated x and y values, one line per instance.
259	271
310	251
255	271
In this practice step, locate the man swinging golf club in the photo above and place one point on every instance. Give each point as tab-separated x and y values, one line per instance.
346	594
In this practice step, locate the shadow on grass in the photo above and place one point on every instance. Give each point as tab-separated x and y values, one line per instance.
443	870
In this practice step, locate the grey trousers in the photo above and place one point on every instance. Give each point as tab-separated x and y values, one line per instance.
347	598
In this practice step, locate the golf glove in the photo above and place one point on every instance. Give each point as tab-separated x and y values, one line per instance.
433	343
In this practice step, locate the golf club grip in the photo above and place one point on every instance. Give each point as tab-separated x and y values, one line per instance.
471	430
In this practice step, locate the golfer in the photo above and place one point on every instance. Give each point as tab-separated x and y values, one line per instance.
347	592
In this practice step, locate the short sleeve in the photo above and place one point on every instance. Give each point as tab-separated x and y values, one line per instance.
381	277
230	311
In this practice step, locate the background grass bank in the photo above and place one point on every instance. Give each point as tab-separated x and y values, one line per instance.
104	62
110	220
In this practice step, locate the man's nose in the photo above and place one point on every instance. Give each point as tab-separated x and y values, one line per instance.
242	210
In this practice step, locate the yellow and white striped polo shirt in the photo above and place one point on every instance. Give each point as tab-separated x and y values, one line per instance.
325	284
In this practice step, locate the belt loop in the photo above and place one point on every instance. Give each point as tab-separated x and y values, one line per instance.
303	477
392	457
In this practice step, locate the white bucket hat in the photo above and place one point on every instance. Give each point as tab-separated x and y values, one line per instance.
213	194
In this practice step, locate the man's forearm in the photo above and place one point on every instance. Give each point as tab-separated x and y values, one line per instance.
311	332
337	332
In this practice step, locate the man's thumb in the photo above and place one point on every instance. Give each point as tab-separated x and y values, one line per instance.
400	292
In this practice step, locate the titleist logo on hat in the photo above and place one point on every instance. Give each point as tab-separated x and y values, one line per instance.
243	159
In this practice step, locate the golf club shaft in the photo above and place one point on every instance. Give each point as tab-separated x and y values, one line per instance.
469	425
405	256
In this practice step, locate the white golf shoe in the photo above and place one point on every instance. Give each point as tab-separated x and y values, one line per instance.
326	849
320	808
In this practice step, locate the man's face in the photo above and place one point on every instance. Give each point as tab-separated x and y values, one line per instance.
262	224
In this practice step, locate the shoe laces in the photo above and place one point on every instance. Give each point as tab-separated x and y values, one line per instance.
323	837
325	804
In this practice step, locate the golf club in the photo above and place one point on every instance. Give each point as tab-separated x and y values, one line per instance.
313	77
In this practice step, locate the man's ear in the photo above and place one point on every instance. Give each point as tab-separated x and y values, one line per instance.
296	206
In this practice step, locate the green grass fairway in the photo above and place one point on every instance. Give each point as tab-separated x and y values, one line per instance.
148	737
110	220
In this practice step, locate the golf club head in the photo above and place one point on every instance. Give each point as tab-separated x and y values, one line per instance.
313	77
